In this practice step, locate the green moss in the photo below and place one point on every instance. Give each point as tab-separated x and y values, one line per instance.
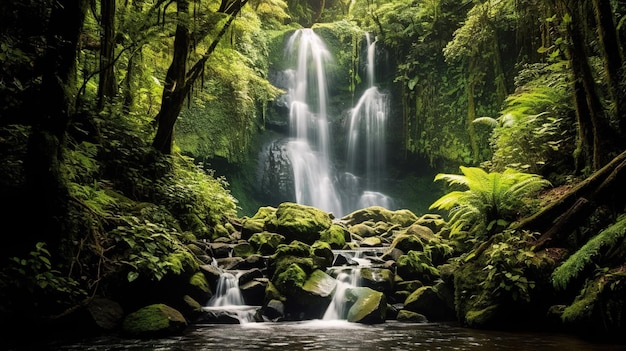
292	279
335	235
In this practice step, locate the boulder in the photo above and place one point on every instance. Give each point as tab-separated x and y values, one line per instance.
266	243
368	306
154	321
416	265
337	236
427	301
379	279
299	222
411	317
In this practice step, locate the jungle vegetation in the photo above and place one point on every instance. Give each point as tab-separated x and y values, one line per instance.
111	113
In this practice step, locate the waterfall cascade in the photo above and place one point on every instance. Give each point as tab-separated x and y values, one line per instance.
316	180
348	275
228	300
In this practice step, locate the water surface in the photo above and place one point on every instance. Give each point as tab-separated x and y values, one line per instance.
341	335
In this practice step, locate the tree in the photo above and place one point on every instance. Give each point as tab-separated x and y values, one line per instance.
179	80
107	86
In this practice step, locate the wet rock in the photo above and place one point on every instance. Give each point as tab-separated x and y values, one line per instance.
299	222
153	321
411	317
368	306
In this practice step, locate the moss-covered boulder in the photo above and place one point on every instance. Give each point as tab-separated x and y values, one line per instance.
299	222
323	251
416	265
152	321
337	236
407	242
243	249
368	306
373	241
427	301
433	221
265	242
406	316
306	295
379	279
200	289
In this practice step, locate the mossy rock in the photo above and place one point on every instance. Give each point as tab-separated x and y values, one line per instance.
323	250
406	316
337	236
372	213
368	306
487	317
299	222
433	221
265	242
243	249
427	301
403	217
158	320
407	242
379	279
373	241
200	288
251	226
416	265
320	284
363	230
291	280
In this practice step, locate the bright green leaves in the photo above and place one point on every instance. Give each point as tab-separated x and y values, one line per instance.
489	203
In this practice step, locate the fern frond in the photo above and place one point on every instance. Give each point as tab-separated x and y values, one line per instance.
589	254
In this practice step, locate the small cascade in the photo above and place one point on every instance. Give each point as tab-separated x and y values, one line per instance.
347	271
228	300
228	293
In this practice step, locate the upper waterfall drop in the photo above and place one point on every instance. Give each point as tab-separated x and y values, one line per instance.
308	151
352	179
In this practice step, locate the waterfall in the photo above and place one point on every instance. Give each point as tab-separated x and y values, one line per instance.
338	308
308	150
366	138
228	293
316	179
228	300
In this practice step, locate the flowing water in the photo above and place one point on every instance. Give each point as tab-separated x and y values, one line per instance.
317	181
340	335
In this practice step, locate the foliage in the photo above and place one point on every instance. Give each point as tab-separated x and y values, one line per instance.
533	131
508	260
34	279
490	202
150	249
595	253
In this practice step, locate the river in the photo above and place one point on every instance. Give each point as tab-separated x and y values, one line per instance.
339	335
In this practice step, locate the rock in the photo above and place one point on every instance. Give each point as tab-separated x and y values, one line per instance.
369	306
274	310
411	317
253	292
220	250
433	221
200	289
154	321
377	278
243	249
362	230
299	222
266	243
416	265
373	241
106	314
407	242
337	236
427	301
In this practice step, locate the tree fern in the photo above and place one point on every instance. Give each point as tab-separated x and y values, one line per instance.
491	201
590	254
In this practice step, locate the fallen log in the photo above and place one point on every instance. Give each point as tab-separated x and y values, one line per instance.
604	187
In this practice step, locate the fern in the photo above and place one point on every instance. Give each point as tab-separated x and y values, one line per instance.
491	201
590	254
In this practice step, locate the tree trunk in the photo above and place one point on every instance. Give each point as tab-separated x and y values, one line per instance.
179	81
174	91
107	85
47	190
471	109
613	60
604	187
593	127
